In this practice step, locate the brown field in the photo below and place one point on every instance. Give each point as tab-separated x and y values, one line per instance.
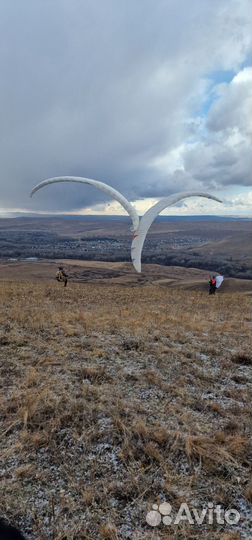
119	394
120	273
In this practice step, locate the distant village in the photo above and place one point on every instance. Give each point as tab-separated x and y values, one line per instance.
174	249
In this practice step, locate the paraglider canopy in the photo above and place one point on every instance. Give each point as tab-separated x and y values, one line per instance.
150	216
219	281
99	185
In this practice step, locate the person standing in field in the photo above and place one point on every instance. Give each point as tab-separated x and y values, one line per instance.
61	275
212	284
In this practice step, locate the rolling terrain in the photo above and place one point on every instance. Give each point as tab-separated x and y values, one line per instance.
117	273
216	244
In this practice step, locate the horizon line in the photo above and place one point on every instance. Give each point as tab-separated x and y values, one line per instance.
15	215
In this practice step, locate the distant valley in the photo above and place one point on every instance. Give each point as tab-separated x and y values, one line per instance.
205	242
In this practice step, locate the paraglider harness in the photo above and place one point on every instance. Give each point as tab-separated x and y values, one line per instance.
212	285
61	276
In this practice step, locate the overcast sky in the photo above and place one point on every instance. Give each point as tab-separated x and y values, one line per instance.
151	96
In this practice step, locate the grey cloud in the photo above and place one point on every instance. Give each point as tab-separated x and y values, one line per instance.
101	89
222	156
233	108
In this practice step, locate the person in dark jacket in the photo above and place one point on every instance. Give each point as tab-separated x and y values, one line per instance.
61	275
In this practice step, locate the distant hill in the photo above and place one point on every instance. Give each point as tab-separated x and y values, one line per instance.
105	218
207	242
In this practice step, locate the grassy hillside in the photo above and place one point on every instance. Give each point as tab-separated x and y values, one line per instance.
117	273
117	397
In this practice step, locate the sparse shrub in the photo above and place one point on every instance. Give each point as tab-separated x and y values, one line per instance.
242	358
4	340
160	435
248	491
131	344
140	430
153	377
216	408
231	426
108	531
94	374
88	496
151	451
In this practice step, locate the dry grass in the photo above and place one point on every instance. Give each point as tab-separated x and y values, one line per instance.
115	398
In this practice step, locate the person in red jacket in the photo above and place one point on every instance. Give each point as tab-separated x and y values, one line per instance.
212	285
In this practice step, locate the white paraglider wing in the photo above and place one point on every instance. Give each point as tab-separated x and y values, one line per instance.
151	214
100	185
219	280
